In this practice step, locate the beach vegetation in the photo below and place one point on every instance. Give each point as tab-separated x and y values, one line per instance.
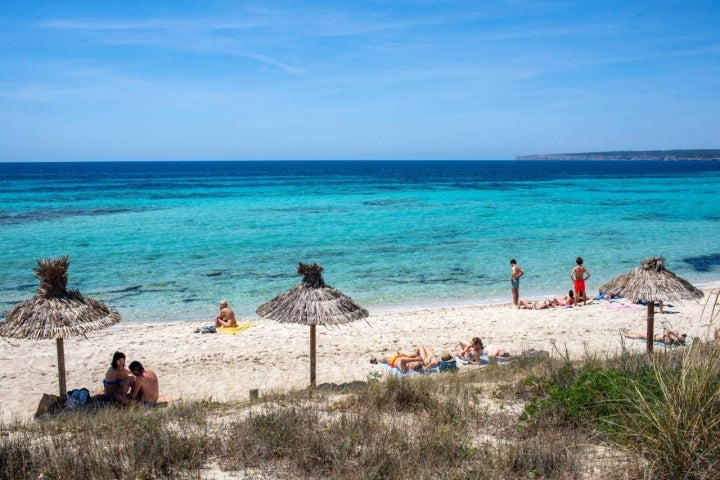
628	416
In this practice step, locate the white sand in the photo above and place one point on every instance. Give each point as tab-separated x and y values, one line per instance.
274	356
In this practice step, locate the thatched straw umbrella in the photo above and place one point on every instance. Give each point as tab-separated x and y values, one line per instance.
651	282
55	312
312	303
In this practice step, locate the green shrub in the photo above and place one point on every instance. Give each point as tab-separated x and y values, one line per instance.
676	426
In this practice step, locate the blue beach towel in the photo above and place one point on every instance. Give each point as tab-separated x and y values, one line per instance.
658	343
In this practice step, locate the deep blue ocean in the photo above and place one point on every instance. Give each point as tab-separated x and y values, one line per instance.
165	241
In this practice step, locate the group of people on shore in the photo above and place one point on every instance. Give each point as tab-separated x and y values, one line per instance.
128	385
579	274
137	384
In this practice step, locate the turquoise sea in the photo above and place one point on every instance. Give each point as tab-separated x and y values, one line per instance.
165	241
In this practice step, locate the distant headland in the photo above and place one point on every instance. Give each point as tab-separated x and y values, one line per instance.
664	155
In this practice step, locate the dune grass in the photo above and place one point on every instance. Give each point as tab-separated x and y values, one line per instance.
629	416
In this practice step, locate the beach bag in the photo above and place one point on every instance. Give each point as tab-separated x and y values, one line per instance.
209	329
48	404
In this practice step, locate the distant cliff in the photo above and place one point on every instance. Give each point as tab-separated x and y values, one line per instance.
666	155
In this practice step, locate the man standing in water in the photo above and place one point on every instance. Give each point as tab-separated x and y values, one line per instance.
578	275
515	274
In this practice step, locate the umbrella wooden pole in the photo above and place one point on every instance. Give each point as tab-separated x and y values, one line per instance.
650	325
61	366
312	356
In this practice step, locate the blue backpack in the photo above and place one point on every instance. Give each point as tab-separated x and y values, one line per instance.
81	395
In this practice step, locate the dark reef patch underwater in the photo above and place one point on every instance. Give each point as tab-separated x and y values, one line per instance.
704	263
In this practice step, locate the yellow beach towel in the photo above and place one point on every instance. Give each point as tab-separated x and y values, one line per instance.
233	330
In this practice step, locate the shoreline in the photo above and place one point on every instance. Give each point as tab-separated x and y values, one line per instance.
383	309
271	356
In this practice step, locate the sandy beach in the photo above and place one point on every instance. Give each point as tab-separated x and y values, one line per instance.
272	356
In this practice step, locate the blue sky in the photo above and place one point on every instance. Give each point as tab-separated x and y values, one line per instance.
222	80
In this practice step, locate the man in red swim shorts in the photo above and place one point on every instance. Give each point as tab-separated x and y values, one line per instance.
578	275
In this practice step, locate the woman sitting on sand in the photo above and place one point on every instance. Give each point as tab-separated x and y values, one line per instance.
668	337
118	380
491	350
567	300
421	358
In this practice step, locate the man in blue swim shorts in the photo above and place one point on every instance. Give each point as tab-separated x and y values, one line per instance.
515	274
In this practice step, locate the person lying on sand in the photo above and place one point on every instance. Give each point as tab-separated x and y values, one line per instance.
566	301
420	359
539	305
470	351
668	337
491	350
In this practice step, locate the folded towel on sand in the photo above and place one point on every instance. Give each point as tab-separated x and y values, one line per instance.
233	330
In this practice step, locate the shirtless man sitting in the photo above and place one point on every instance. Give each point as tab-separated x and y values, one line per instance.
226	317
147	388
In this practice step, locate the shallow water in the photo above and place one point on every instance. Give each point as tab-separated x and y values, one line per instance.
164	241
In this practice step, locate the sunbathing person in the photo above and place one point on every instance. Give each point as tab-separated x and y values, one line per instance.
470	351
567	300
421	358
668	337
491	350
539	305
118	380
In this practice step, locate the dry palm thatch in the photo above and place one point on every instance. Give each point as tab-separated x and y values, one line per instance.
55	312
652	282
312	303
